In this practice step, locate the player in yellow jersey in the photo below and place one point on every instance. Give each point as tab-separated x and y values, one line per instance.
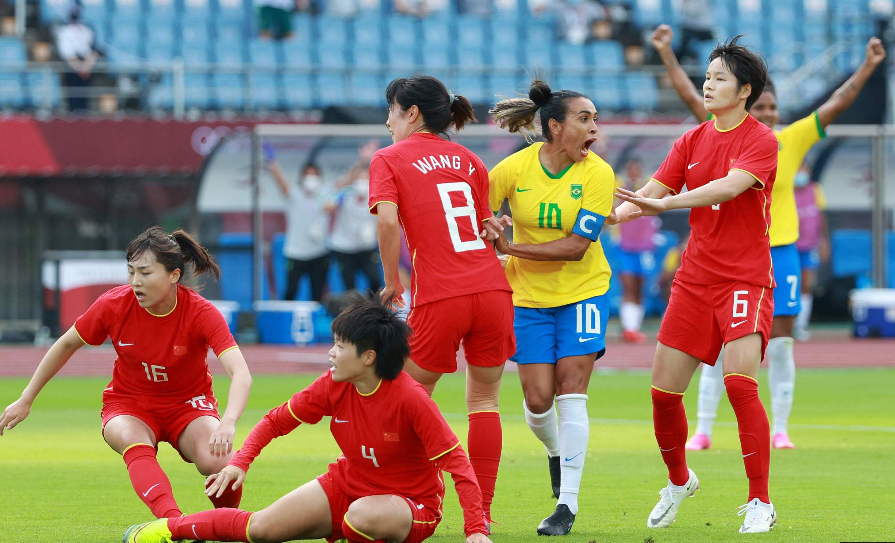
560	196
795	141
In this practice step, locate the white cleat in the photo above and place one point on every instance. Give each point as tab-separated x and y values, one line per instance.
670	499
760	517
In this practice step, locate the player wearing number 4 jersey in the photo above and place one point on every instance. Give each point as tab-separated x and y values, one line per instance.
160	388
438	192
560	195
722	294
386	486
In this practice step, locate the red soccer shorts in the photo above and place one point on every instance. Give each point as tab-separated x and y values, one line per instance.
483	322
700	319
166	418
425	520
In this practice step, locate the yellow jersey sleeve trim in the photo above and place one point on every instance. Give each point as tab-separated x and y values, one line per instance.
668	391
248	525
227	350
741	375
345	520
715	124
663	184
820	129
291	412
437	456
82	339
372	207
483	411
129	447
379	384
759	181
169	312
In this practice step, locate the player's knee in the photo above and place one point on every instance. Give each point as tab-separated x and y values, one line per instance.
539	403
208	464
363	518
261	530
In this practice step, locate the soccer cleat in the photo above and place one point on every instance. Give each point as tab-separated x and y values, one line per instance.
670	499
782	441
760	517
149	532
559	523
699	442
555	474
633	336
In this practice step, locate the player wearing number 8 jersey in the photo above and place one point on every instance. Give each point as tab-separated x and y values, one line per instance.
560	195
438	192
160	388
722	294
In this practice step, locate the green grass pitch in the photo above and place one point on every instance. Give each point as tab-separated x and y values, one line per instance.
60	482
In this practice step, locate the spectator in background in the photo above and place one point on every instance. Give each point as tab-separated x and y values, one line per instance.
305	247
813	243
419	8
275	17
352	238
75	43
696	26
578	20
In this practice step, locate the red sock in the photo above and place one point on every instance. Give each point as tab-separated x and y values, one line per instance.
353	536
755	432
230	498
670	424
485	440
149	481
216	525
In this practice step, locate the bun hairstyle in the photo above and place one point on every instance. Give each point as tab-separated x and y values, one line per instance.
173	251
518	114
439	107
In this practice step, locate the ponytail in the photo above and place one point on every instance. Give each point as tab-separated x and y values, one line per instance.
439	107
518	114
196	254
461	112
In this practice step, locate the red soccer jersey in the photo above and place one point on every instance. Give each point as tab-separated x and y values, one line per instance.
729	241
157	355
393	441
441	191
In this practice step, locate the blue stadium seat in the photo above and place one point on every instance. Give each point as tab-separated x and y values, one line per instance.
784	12
160	53
504	32
233	10
367	31
608	93
540	32
92	11
331	30
194	33
125	55
649	14
538	55
265	53
851	252
53	11
12	51
196	91
162	7
229	89
578	83
126	34
402	31
332	56
470	31
473	88
367	90
607	55
232	31
642	91
127	9
229	53
297	54
401	57
12	91
571	56
298	91
470	56
43	86
196	9
161	94
194	54
504	57
159	32
264	92
507	85
331	88
436	56
367	57
437	31
302	28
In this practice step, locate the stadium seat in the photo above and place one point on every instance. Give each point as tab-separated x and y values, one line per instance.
470	31
193	54
470	57
851	252
265	53
12	51
231	31
401	57
503	32
197	9
166	8
264	92
159	32
540	32
297	54
577	83
504	57
648	13
196	91
330	88
56	11
125	55
194	34
302	28
367	31
126	10
161	54
44	89
436	31
367	90
436	56
126	34
473	88
572	56
641	91
331	56
12	91
331	30
504	85
229	90
298	91
538	55
233	10
367	57
607	55
608	93
401	31
229	53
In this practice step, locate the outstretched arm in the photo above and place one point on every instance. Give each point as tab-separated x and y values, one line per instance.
848	92
661	40
716	192
628	211
457	464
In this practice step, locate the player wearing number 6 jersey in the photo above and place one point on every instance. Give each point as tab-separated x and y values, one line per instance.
723	292
560	195
160	388
438	192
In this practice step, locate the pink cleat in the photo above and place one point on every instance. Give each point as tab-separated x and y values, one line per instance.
781	441
699	442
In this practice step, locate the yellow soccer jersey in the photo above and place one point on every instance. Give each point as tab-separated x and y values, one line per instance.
795	140
546	208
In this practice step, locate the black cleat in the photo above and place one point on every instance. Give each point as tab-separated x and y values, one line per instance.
555	477
559	523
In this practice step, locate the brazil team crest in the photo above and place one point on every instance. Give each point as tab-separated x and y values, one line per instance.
576	192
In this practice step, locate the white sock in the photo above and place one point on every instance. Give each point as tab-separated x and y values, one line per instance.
804	316
544	427
782	380
574	436
711	386
631	316
640	313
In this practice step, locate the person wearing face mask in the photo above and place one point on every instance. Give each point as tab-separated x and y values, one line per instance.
305	247
813	244
794	142
352	232
560	195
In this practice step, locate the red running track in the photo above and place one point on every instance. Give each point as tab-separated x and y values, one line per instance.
262	359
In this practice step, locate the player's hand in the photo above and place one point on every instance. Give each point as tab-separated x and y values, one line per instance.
661	38
478	538
648	206
391	295
502	244
875	52
216	483
221	441
493	226
14	414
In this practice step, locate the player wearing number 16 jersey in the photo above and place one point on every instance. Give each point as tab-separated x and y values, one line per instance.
723	292
438	192
160	388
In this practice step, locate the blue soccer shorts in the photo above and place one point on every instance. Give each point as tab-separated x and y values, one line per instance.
788	276
544	335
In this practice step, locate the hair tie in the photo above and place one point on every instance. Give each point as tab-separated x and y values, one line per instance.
451	98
